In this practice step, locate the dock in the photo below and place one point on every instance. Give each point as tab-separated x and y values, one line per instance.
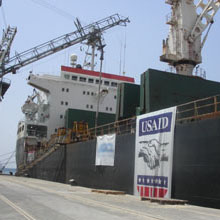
27	198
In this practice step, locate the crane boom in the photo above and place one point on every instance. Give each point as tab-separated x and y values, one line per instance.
88	33
209	10
5	46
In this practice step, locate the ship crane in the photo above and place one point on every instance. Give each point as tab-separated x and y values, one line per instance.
182	49
90	34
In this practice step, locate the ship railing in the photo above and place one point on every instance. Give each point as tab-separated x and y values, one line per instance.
199	109
118	127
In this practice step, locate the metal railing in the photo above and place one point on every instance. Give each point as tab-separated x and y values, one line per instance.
199	109
119	127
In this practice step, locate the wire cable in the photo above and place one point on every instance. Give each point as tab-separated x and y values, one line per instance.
54	8
125	46
4	18
7	153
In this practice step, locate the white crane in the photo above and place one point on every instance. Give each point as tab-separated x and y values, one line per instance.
182	49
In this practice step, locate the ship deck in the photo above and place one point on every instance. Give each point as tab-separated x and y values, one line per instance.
27	198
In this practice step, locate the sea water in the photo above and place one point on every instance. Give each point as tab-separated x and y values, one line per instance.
8	170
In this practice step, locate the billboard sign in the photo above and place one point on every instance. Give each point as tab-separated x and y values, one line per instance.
154	153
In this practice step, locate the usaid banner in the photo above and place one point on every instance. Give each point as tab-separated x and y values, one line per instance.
105	150
154	153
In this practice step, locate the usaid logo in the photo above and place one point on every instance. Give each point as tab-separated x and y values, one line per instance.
155	124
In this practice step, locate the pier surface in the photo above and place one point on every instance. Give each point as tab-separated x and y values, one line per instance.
26	198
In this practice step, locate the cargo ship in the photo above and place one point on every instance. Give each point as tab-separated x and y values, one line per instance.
62	100
69	153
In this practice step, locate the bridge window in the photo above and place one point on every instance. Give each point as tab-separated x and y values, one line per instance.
97	81
66	76
114	84
91	80
82	79
74	78
106	83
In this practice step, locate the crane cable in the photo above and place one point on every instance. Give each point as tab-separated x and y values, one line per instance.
6	163
3	16
54	8
7	153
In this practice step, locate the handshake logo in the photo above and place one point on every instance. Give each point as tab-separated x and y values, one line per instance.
153	152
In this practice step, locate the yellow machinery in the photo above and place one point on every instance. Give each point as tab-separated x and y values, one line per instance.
79	132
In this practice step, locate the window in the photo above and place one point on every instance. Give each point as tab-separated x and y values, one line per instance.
61	116
111	109
92	93
61	102
84	92
66	103
82	79
91	80
88	93
55	129
97	81
106	108
87	106
66	76
115	97
114	84
63	89
106	83
91	106
67	90
74	78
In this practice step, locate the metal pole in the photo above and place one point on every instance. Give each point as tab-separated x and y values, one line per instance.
99	90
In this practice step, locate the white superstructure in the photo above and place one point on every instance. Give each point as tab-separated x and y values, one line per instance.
75	88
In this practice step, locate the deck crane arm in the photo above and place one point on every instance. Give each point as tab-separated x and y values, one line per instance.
204	19
182	48
81	34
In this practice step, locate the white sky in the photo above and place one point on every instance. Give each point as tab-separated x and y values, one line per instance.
37	23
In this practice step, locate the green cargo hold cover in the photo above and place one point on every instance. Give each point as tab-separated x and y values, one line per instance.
72	115
128	100
161	89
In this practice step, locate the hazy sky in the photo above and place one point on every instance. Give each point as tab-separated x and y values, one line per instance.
38	22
